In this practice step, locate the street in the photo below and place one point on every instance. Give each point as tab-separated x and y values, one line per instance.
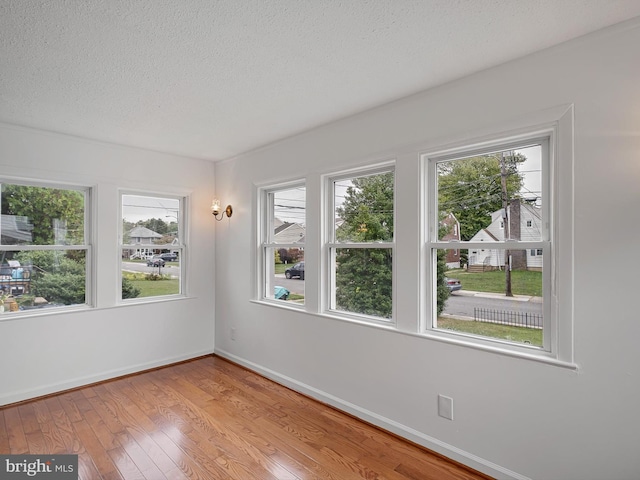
294	285
174	271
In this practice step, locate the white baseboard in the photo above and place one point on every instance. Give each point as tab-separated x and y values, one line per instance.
18	396
404	431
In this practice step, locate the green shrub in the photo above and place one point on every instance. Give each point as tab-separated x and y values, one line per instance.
64	289
128	289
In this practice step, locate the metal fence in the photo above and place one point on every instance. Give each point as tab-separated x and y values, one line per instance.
518	319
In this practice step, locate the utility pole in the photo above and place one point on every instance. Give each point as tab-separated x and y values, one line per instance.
505	223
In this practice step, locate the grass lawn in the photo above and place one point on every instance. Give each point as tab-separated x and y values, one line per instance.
523	282
155	288
281	267
531	336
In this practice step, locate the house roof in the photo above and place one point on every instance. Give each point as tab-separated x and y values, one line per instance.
15	229
143	232
290	233
283	226
493	237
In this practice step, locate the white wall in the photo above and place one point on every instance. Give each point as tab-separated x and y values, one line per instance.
47	353
513	417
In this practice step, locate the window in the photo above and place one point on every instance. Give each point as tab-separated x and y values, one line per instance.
361	244
492	192
283	239
45	246
152	246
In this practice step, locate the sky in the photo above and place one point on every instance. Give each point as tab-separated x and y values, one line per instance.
137	208
532	172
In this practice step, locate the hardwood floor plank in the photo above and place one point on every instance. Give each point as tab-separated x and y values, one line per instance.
209	419
63	423
88	471
53	440
36	443
225	439
125	465
144	463
69	406
190	468
140	427
17	439
90	444
28	418
4	435
106	438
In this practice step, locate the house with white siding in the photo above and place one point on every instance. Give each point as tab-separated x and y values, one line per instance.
525	223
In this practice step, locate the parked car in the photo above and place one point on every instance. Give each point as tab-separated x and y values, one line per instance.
169	257
296	271
453	284
155	261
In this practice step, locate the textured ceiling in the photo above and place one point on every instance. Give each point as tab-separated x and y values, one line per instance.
212	79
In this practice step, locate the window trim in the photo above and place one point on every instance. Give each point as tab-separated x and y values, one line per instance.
265	241
89	226
330	244
182	221
557	125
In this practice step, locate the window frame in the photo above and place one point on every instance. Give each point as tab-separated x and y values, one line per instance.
331	244
182	246
266	241
557	331
87	246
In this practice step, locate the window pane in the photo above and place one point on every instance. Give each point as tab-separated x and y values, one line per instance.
363	281
488	300
38	279
150	220
364	208
472	193
152	249
154	276
287	277
289	215
41	216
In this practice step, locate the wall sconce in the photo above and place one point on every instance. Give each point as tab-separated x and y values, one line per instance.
217	210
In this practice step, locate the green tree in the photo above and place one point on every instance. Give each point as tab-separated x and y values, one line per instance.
53	212
157	225
442	291
128	289
56	217
364	275
471	189
55	276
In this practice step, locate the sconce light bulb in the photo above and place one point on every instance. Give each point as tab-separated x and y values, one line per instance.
215	207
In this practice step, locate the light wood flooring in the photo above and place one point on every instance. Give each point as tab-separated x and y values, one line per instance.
211	419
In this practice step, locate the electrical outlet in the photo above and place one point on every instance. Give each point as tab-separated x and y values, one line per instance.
233	334
445	407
